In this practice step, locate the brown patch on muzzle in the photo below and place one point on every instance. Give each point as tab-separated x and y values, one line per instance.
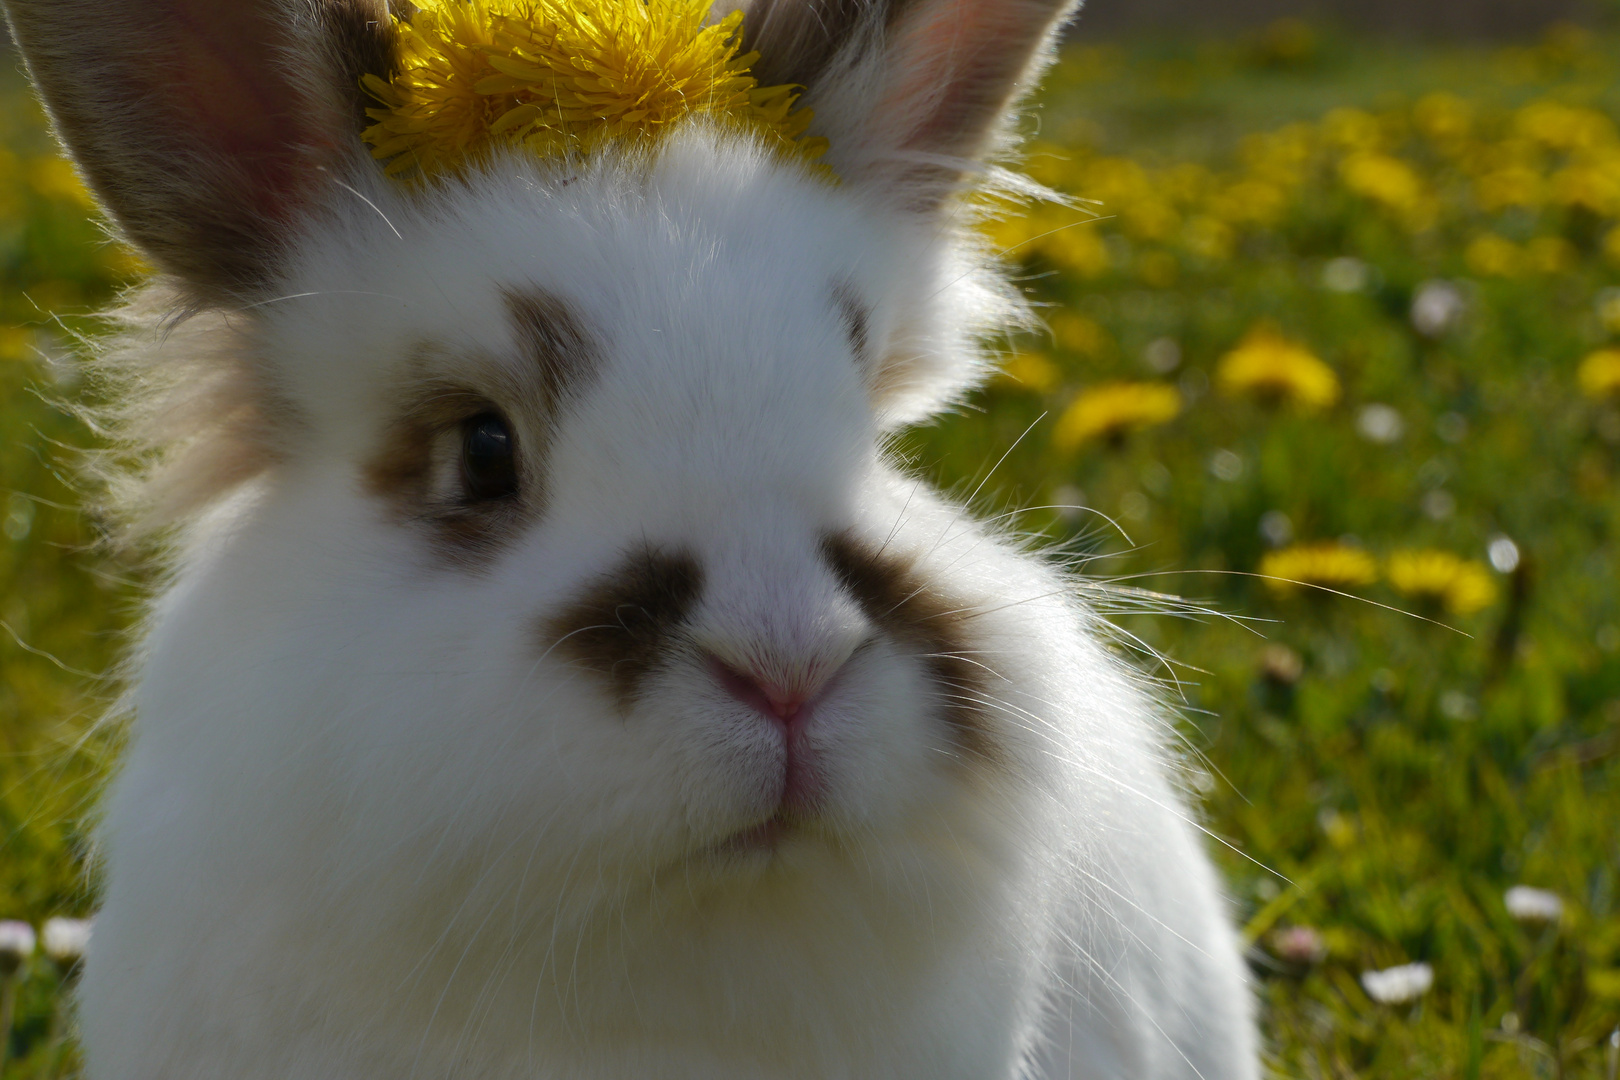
626	624
919	615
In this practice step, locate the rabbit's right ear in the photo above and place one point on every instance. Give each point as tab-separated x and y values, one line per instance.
911	94
206	127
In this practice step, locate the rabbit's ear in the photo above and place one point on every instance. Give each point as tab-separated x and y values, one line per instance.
206	127
910	92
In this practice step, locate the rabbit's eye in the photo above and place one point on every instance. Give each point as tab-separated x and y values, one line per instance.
488	458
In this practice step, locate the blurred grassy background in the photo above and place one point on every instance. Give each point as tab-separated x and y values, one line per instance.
1341	313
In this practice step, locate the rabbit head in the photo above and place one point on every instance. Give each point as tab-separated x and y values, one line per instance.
542	589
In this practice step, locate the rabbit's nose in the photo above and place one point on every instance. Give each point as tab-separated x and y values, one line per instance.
783	700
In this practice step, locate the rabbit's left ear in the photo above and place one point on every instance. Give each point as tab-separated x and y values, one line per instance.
206	127
910	93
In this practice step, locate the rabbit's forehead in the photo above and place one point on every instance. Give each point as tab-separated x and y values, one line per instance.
732	256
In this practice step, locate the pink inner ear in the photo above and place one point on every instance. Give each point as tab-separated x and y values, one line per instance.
959	61
241	105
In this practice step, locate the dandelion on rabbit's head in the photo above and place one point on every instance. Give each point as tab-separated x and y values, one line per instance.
562	78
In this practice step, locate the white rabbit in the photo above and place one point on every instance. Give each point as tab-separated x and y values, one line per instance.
553	677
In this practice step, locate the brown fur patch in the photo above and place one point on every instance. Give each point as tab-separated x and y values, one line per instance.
424	434
554	339
857	321
917	614
361	41
624	626
799	39
410	469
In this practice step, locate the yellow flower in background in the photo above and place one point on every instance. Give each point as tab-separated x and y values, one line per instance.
16	343
1077	333
1564	127
1249	202
1387	180
55	178
1551	255
1443	118
1462	586
1511	185
1080	248
1111	410
1599	374
1209	238
1032	370
1352	129
1330	565
1594	187
1269	366
1490	255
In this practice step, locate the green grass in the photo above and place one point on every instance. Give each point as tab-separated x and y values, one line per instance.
1381	778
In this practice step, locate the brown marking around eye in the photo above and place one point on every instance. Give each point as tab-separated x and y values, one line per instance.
416	468
554	339
401	473
857	321
625	625
915	613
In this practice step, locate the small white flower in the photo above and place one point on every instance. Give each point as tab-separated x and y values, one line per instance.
1276	528
1162	355
1380	423
1436	308
1504	554
1398	985
1345	275
1299	945
1529	905
66	940
16	946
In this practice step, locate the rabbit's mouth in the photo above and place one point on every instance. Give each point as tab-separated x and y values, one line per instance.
761	839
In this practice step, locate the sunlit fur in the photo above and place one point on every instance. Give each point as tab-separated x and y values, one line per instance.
372	826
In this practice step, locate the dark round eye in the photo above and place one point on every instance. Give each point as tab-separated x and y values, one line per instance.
488	458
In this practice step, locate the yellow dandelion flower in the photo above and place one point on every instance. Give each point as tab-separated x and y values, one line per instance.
1594	187
1551	255
565	76
1564	127
1079	334
1080	249
1511	185
1330	565
1461	586
1490	255
1111	410
1269	366
55	178
1599	374
1443	118
1384	179
1352	129
1032	371
1209	238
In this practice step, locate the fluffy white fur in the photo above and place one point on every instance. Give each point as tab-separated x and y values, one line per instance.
374	825
370	827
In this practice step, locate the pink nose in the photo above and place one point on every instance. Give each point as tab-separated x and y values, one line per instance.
781	703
